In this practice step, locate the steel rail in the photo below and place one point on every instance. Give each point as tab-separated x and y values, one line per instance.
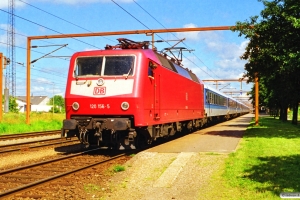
29	134
45	162
42	181
32	147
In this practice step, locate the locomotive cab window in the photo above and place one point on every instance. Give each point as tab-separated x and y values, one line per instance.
107	66
118	65
86	66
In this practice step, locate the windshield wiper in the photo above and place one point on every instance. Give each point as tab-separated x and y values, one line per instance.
126	75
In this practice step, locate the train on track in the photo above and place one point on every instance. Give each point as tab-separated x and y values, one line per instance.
128	95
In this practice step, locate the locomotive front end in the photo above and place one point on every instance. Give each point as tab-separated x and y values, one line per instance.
100	99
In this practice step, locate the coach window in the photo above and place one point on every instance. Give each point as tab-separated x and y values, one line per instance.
206	97
215	99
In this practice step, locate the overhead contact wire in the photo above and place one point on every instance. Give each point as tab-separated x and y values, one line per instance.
47	28
177	38
61	18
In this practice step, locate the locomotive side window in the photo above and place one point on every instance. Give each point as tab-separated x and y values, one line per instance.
182	71
165	62
88	66
150	71
118	65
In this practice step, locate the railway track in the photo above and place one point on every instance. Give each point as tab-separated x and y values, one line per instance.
28	135
34	144
19	180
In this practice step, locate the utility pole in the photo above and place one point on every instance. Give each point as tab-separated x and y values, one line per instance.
256	99
3	63
1	80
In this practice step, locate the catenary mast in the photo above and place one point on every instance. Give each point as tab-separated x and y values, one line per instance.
10	79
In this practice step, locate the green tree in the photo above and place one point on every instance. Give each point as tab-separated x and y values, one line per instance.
59	104
273	52
13	106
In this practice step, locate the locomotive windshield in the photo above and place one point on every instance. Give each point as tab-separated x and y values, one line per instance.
89	66
104	66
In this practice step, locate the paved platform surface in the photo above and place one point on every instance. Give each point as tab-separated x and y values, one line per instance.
178	169
221	138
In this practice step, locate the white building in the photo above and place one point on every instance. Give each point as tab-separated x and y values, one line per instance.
38	103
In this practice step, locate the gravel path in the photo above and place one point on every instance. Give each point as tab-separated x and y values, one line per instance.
153	176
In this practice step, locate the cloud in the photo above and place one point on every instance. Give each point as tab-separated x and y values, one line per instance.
55	91
18	4
76	2
4	4
37	89
227	54
43	81
221	58
90	49
19	40
3	36
192	35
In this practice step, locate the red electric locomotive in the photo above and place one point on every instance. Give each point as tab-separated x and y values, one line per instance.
128	95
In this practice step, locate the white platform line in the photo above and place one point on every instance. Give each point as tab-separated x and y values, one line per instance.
171	173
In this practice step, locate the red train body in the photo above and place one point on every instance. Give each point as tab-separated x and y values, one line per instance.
124	98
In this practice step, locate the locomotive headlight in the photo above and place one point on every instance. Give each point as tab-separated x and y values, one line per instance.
75	106
100	81
124	105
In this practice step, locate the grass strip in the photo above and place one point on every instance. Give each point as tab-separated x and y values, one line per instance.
16	122
266	164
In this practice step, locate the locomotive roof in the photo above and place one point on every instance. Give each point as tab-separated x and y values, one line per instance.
153	55
172	63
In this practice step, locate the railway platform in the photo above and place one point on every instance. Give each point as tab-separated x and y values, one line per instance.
182	168
221	138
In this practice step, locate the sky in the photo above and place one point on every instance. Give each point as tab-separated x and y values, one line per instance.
215	55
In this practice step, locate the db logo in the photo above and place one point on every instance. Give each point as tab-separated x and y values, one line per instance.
99	90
